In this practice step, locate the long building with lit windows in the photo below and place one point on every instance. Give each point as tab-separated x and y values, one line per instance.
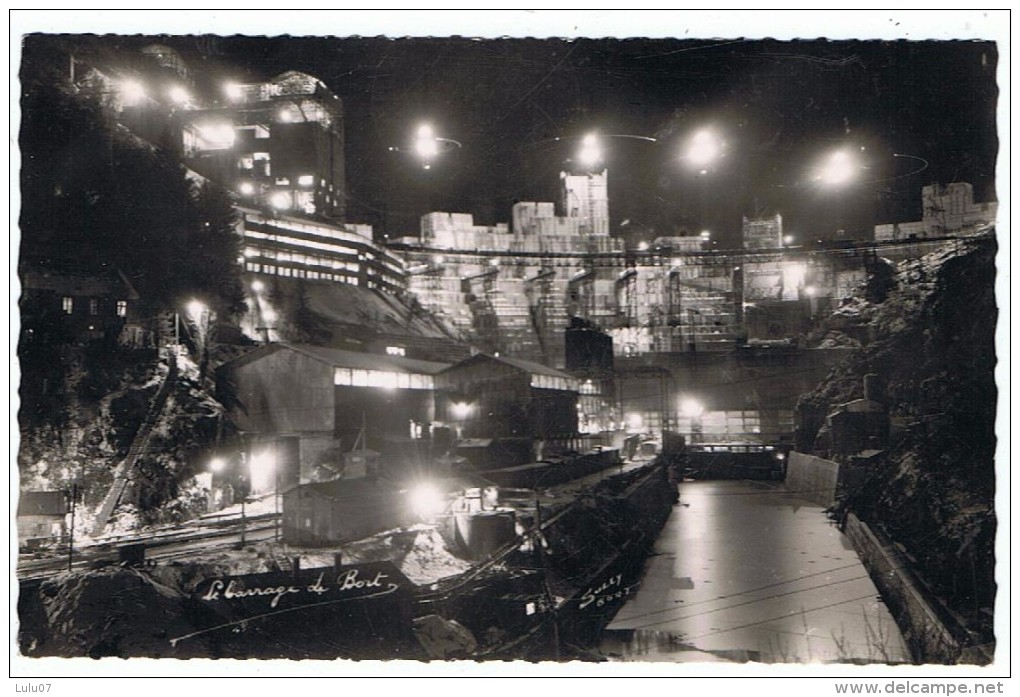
293	247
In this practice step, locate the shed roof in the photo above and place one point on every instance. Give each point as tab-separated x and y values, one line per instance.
519	363
339	358
108	282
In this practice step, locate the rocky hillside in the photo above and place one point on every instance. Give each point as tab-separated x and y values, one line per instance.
927	329
103	398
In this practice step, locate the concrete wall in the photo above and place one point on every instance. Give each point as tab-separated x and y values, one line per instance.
812	478
930	632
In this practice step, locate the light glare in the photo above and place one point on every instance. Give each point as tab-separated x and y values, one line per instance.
691	408
426	500
703	149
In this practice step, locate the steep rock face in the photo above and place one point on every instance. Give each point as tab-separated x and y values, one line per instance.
932	344
104	398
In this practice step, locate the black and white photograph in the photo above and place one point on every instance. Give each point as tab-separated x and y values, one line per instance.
626	348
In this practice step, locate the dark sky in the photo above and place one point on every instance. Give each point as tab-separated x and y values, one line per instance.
780	105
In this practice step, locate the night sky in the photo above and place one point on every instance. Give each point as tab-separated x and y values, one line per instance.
779	106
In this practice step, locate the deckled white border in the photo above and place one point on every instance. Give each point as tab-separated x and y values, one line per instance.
684	24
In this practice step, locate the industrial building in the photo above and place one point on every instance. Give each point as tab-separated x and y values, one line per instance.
763	233
301	408
499	397
945	210
293	247
278	144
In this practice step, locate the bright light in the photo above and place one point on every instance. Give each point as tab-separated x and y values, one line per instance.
132	92
788	239
246	188
233	90
426	147
691	408
217	464
634	421
280	200
793	274
179	95
705	234
426	500
262	471
810	290
258	286
590	154
460	410
284	116
196	308
269	315
703	149
218	136
305	180
425	131
642	246
838	168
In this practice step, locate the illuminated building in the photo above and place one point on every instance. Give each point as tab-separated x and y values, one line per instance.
763	233
278	144
294	247
945	210
307	404
499	397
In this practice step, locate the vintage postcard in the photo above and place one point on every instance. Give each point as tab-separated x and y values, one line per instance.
664	348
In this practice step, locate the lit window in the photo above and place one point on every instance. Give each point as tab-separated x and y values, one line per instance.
122	308
93	306
306	180
396	351
262	158
67	303
261	132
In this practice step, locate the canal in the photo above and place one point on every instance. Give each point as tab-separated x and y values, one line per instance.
744	571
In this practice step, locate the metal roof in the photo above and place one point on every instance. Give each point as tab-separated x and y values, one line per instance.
339	358
527	366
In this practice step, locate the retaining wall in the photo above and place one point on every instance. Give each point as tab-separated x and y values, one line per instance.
930	631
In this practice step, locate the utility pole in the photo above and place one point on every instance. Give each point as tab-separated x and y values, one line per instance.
70	546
